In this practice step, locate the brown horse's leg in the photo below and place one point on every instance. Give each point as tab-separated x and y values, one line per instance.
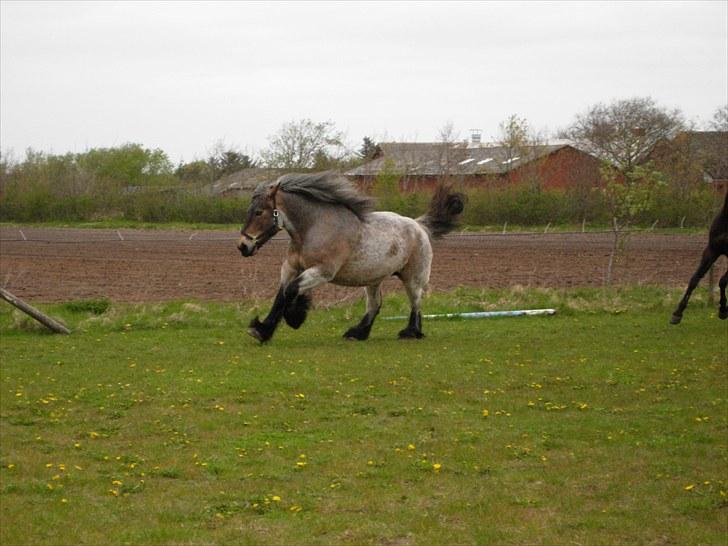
374	304
707	260
723	309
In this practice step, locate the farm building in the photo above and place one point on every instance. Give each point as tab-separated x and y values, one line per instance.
243	182
557	165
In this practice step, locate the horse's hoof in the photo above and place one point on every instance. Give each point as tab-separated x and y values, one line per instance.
411	334
252	332
255	332
676	319
354	334
723	314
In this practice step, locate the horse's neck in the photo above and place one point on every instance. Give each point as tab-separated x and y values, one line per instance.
304	215
300	214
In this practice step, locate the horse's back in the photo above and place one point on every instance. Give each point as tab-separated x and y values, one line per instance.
388	244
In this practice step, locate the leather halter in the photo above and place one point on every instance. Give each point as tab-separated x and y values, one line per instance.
268	233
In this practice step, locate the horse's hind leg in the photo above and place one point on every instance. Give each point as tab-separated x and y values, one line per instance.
707	260
414	327
374	304
723	309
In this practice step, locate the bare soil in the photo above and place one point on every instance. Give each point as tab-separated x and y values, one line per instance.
55	264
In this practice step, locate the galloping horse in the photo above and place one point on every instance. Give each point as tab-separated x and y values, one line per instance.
717	246
336	237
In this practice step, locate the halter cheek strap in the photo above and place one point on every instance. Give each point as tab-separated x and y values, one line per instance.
271	231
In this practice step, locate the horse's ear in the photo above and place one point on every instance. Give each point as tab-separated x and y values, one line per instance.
272	191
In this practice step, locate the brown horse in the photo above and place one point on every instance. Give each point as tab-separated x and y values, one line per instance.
336	237
717	247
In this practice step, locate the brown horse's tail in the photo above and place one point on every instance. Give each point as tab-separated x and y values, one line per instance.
445	207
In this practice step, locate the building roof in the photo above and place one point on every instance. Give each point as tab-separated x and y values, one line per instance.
437	159
244	181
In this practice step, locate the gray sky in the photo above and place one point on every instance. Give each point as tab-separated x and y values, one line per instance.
181	76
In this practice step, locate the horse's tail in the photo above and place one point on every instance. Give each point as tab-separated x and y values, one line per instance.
445	207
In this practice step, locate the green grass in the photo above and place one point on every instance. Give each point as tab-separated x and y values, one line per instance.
166	424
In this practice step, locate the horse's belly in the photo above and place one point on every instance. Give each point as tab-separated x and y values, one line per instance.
367	272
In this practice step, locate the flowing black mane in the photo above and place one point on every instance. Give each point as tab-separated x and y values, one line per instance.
326	187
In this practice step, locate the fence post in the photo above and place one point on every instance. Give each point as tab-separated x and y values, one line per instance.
47	321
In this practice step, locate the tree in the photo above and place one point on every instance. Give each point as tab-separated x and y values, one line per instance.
129	165
369	149
515	137
520	142
299	144
198	171
720	119
628	195
625	131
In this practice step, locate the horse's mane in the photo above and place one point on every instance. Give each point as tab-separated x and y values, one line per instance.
327	187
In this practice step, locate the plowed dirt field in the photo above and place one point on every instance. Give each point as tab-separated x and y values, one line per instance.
55	264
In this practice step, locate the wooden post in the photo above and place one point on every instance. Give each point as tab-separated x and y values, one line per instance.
47	321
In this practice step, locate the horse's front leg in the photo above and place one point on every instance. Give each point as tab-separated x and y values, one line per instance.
307	281
263	331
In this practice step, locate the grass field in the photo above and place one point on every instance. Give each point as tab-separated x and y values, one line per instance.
166	424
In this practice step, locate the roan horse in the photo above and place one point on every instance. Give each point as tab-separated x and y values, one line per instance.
336	237
717	246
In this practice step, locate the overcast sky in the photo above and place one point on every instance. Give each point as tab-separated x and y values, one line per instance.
181	76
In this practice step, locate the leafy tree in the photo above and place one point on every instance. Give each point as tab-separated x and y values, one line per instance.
625	131
628	196
298	145
195	172
129	165
515	136
386	186
229	161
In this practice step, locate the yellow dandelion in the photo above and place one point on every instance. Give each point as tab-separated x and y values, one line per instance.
411	447
485	413
437	467
689	487
276	498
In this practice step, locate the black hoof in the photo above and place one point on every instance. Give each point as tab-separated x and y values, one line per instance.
675	319
411	334
723	314
356	334
259	331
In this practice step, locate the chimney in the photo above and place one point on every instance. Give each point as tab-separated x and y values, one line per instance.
475	135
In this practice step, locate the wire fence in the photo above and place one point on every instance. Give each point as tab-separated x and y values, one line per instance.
61	264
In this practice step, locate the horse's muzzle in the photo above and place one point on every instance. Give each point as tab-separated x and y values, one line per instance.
247	248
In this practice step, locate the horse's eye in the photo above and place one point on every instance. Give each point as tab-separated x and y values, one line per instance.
258	212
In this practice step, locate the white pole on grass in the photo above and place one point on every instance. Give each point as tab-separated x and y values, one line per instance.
482	314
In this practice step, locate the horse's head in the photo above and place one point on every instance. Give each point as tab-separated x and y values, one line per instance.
261	223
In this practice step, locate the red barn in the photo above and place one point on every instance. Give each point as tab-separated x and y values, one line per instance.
558	165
